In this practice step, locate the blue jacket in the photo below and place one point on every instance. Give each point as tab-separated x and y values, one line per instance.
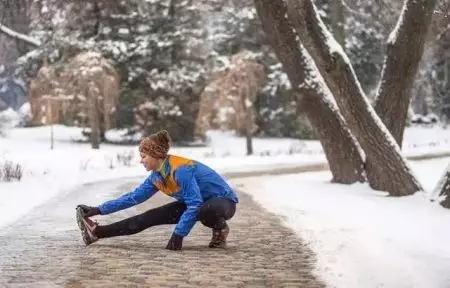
186	180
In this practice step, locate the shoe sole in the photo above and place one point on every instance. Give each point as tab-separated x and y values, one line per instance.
84	234
217	246
80	219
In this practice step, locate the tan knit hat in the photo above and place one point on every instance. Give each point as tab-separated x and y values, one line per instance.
156	145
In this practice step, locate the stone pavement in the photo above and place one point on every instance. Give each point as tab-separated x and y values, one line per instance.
44	249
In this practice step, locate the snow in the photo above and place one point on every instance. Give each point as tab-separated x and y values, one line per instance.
394	33
10	118
23	37
361	238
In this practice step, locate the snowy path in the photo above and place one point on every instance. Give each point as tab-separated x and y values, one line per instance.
44	249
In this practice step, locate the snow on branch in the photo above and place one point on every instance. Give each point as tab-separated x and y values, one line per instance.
20	36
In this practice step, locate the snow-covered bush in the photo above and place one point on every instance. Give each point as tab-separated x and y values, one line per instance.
125	158
10	171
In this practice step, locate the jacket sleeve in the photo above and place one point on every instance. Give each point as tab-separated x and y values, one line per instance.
139	195
189	193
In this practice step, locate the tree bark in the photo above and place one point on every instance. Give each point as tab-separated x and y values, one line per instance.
405	48
443	188
94	116
389	169
14	25
248	133
247	106
341	150
338	21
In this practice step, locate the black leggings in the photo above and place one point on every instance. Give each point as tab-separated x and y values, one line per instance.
213	213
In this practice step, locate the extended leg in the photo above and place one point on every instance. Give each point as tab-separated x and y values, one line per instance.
166	214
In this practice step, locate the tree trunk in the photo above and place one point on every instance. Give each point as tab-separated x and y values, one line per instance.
338	21
248	110
443	188
248	138
340	148
14	25
404	51
94	116
391	172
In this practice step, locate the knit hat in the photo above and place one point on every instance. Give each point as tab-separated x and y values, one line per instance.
156	145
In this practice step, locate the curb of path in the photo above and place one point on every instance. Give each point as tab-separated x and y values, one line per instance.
315	167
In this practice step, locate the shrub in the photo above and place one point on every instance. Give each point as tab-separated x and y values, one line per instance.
10	171
125	158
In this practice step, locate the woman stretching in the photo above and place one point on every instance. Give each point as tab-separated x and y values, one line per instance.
200	194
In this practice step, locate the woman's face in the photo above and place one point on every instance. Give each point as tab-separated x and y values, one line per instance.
149	162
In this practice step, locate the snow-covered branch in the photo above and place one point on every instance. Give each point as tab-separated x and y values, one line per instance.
20	36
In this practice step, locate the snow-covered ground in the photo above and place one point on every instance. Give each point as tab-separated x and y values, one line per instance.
361	238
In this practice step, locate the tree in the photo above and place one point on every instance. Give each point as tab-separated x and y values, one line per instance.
443	187
367	26
404	51
14	25
341	150
338	21
227	102
440	79
388	169
245	79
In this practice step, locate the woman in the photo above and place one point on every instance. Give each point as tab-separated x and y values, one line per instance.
201	194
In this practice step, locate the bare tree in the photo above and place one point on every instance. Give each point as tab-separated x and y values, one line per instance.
340	147
389	170
235	87
405	48
247	78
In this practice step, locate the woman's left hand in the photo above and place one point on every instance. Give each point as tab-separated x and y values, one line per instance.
175	242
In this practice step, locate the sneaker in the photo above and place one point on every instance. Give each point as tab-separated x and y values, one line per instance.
87	227
219	237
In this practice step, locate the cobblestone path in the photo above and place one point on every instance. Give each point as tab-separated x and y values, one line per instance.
44	249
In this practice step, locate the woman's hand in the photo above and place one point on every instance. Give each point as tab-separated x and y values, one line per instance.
175	242
89	211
